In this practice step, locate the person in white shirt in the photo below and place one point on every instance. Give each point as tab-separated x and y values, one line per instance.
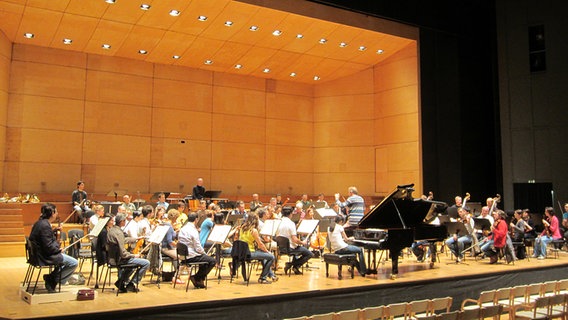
337	238
144	226
189	236
287	228
94	219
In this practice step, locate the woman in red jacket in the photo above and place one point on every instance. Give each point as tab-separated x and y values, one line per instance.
498	238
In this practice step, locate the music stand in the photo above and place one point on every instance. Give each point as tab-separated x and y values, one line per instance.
233	219
460	230
155	243
212	194
324	224
156	194
453	212
475	208
117	193
323	213
295	217
481	224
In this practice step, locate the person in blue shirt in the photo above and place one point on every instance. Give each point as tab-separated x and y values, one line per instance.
206	227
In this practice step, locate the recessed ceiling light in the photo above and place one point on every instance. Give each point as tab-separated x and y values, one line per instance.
228	23
208	62
380	51
175	13
323	40
362	48
343	45
299	36
29	35
276	33
67	41
316	78
202	18
142	51
253	28
110	1
238	66
106	46
266	70
145	6
293	74
176	57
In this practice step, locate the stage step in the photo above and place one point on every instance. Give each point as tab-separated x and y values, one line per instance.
12	249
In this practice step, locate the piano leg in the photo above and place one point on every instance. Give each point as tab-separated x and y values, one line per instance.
394	254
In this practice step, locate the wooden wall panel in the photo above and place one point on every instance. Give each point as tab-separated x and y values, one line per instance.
183	74
120	65
403	156
290	184
289	133
289	107
289	87
238	156
358	83
49	56
49	146
195	154
397	101
344	159
40	112
289	159
30	177
240	184
119	88
121	119
239	82
115	149
401	70
182	95
4	73
330	183
170	179
239	101
339	108
47	80
127	178
235	128
171	123
5	66
345	133
397	129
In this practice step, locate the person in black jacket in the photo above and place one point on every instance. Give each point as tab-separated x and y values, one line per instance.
49	250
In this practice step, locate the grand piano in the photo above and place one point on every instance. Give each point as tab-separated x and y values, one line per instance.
406	219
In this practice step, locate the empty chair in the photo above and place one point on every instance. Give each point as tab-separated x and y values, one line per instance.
453	315
486	298
503	297
562	286
298	318
549	288
519	295
492	312
348	314
534	291
419	308
471	314
396	311
373	313
440	305
557	306
539	310
324	316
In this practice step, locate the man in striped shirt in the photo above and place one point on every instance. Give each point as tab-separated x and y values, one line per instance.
356	206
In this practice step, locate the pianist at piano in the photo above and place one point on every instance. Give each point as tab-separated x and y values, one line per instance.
337	238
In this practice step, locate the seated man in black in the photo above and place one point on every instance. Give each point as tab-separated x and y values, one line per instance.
49	250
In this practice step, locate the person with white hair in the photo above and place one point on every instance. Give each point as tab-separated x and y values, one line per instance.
356	205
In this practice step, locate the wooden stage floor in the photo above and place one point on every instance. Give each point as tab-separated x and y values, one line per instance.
290	296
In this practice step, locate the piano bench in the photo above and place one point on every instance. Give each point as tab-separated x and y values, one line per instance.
340	260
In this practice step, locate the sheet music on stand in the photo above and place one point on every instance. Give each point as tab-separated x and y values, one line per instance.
159	233
219	234
99	227
307	226
270	227
322	213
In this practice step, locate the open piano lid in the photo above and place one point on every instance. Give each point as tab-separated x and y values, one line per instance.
399	210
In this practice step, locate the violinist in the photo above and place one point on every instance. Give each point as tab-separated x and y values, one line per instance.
301	254
169	241
455	243
498	238
99	213
518	227
144	225
49	250
551	232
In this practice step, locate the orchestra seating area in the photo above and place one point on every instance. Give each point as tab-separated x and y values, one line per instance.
546	299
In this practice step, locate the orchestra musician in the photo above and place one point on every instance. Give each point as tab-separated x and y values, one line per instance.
249	233
321	199
518	227
255	203
144	225
455	243
189	236
356	205
565	221
198	192
169	241
551	232
115	237
457	202
128	206
79	199
301	254
162	201
306	203
99	213
49	251
337	238
240	209
498	238
530	233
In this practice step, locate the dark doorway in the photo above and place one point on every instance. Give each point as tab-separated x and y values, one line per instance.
534	196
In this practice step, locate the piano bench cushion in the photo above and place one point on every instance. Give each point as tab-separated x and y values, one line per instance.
340	260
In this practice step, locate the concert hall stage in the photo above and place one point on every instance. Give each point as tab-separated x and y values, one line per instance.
293	296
